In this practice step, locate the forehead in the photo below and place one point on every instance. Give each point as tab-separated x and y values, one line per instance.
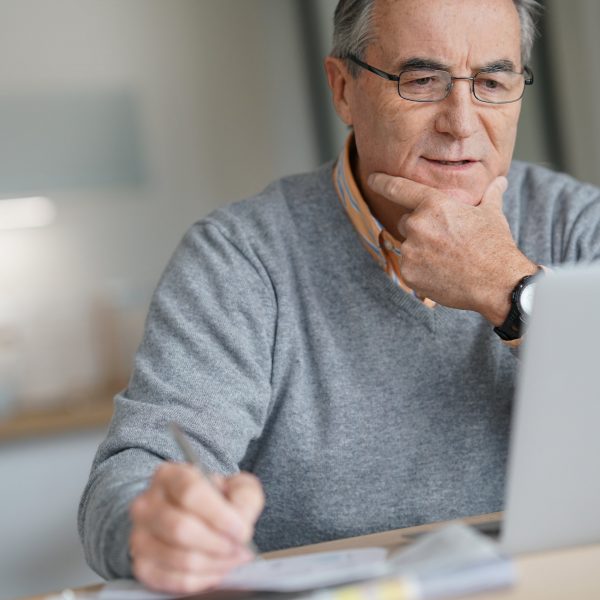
455	32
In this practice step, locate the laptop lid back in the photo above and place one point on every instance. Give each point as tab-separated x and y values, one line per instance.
553	486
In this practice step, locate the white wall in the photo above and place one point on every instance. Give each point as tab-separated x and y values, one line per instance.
221	108
220	102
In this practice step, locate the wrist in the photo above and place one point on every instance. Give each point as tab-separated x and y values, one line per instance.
499	294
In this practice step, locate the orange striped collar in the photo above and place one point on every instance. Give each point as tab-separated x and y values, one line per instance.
382	246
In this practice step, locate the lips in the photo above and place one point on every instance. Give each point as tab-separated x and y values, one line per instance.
451	162
451	165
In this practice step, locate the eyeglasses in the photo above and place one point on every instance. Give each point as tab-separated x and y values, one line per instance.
433	85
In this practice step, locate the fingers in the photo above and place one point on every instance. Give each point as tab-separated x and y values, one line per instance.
146	547
405	192
493	194
188	489
246	493
178	528
168	580
187	531
402	226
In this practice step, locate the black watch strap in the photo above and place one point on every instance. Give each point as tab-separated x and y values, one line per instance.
512	328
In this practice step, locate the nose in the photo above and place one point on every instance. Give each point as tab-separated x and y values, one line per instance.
458	112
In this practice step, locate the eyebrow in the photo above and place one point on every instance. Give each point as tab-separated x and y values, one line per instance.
498	66
419	62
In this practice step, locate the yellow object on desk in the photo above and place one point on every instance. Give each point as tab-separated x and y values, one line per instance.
389	589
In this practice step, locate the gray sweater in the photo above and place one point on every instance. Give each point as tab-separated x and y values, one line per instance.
282	348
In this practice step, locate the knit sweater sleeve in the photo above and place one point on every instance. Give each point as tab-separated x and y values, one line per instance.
557	220
204	362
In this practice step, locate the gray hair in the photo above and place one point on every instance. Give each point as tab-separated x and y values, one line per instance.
353	28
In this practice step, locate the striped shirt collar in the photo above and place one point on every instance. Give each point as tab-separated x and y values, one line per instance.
381	245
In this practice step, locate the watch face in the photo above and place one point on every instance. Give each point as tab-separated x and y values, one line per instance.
526	299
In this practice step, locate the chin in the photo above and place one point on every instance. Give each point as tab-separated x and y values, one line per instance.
464	196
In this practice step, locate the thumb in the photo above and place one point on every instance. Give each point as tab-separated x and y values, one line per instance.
245	492
492	197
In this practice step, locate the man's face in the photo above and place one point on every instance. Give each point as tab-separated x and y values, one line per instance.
411	139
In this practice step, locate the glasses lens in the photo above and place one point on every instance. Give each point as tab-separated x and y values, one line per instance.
424	85
498	88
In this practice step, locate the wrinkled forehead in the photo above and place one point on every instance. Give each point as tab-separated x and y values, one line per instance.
455	32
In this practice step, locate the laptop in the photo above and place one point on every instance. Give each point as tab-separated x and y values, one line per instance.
553	483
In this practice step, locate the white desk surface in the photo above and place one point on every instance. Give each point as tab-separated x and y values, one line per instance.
569	574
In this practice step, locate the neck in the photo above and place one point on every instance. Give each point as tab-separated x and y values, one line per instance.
388	213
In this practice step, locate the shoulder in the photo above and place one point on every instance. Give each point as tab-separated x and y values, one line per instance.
554	217
290	202
536	185
267	230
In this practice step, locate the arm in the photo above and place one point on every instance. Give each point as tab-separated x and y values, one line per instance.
205	362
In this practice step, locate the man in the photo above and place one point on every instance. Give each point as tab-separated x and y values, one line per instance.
334	336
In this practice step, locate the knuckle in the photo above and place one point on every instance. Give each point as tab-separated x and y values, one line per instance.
428	204
188	495
394	187
179	531
136	542
189	561
222	546
192	492
409	223
196	562
416	223
254	486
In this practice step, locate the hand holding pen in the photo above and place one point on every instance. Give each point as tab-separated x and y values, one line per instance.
190	529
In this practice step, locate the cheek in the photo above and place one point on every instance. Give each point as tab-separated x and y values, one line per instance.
502	132
392	131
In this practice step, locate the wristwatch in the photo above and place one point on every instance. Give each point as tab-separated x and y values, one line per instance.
521	303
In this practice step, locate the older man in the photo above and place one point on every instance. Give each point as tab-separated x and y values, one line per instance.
339	336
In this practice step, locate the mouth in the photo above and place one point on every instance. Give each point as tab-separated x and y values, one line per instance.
460	164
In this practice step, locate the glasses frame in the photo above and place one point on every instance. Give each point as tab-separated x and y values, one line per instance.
527	72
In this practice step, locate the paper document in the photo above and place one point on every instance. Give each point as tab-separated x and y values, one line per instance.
454	560
290	574
308	571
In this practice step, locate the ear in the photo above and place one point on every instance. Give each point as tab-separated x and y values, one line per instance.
339	80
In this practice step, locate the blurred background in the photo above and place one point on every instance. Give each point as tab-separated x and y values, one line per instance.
121	123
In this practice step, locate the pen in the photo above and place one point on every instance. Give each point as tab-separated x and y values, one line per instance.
191	457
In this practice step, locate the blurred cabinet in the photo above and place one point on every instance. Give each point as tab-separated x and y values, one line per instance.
42	481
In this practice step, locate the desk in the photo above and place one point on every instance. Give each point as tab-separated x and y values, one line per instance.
571	574
95	411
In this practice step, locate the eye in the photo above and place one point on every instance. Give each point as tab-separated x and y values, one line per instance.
492	82
421	81
423	84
